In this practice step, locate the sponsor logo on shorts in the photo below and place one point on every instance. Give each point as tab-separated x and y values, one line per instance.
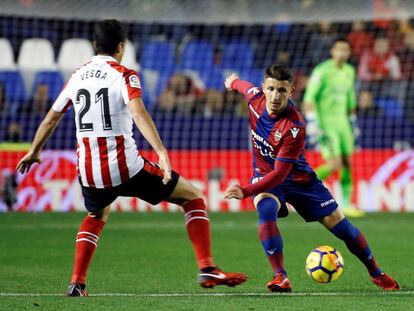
323	204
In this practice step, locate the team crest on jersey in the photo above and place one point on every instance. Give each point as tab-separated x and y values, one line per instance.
134	81
278	135
294	131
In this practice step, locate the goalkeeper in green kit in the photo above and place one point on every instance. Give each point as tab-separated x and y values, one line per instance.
330	104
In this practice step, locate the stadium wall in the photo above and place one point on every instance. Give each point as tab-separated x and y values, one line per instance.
384	180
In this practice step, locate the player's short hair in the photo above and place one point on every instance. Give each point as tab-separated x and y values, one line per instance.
107	35
339	39
279	72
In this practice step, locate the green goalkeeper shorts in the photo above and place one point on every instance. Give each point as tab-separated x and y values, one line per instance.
337	141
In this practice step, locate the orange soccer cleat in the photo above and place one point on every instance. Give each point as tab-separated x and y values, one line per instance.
219	277
385	282
280	283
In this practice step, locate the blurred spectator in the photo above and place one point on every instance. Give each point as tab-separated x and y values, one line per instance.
380	63
300	82
321	41
283	57
214	104
406	57
8	189
360	40
406	26
167	101
14	133
40	102
366	106
180	95
13	139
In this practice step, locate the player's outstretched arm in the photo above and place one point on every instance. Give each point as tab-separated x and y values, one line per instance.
146	126
229	81
234	83
45	130
270	180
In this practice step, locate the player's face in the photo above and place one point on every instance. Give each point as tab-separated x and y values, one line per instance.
341	51
277	94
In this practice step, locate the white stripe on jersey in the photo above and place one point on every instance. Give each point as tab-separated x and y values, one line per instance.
96	162
81	163
114	170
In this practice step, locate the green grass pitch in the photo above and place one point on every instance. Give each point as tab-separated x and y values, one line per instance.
145	262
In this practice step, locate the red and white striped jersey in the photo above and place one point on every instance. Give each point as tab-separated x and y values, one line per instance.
99	91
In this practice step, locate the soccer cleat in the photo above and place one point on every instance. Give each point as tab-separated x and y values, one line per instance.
385	282
280	283
76	290
352	212
219	277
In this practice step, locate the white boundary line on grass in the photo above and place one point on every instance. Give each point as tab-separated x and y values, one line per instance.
297	294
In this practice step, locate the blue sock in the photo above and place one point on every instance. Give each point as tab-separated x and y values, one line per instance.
357	245
269	234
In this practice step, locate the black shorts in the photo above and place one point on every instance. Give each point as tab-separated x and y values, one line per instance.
146	185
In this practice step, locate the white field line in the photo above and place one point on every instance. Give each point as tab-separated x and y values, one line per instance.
149	295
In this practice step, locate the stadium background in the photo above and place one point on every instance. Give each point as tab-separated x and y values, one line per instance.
183	50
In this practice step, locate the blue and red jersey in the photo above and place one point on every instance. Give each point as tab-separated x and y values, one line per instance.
275	139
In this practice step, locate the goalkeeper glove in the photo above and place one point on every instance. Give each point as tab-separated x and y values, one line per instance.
312	128
354	124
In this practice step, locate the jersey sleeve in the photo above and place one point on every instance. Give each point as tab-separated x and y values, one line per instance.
352	102
293	144
245	88
64	101
270	180
132	86
314	85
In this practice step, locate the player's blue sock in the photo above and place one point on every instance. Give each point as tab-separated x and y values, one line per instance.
357	245
269	234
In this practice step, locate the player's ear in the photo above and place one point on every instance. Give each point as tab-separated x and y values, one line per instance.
94	45
120	47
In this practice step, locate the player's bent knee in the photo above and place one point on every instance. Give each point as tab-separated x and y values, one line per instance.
101	215
333	219
265	195
184	192
267	206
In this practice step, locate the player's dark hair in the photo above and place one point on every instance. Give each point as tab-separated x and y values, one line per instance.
107	35
279	72
339	39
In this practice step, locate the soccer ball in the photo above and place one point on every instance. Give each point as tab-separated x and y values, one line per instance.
324	264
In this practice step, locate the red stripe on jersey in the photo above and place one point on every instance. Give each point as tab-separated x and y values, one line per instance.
120	155
133	92
103	157
88	162
153	169
67	106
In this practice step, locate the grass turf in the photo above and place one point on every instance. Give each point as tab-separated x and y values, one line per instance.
147	258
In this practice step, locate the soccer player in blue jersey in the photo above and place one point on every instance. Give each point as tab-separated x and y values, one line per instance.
281	175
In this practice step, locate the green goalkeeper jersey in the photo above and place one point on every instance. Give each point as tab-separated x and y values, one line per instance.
332	92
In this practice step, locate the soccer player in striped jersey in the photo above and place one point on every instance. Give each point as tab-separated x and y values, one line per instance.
106	97
282	175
